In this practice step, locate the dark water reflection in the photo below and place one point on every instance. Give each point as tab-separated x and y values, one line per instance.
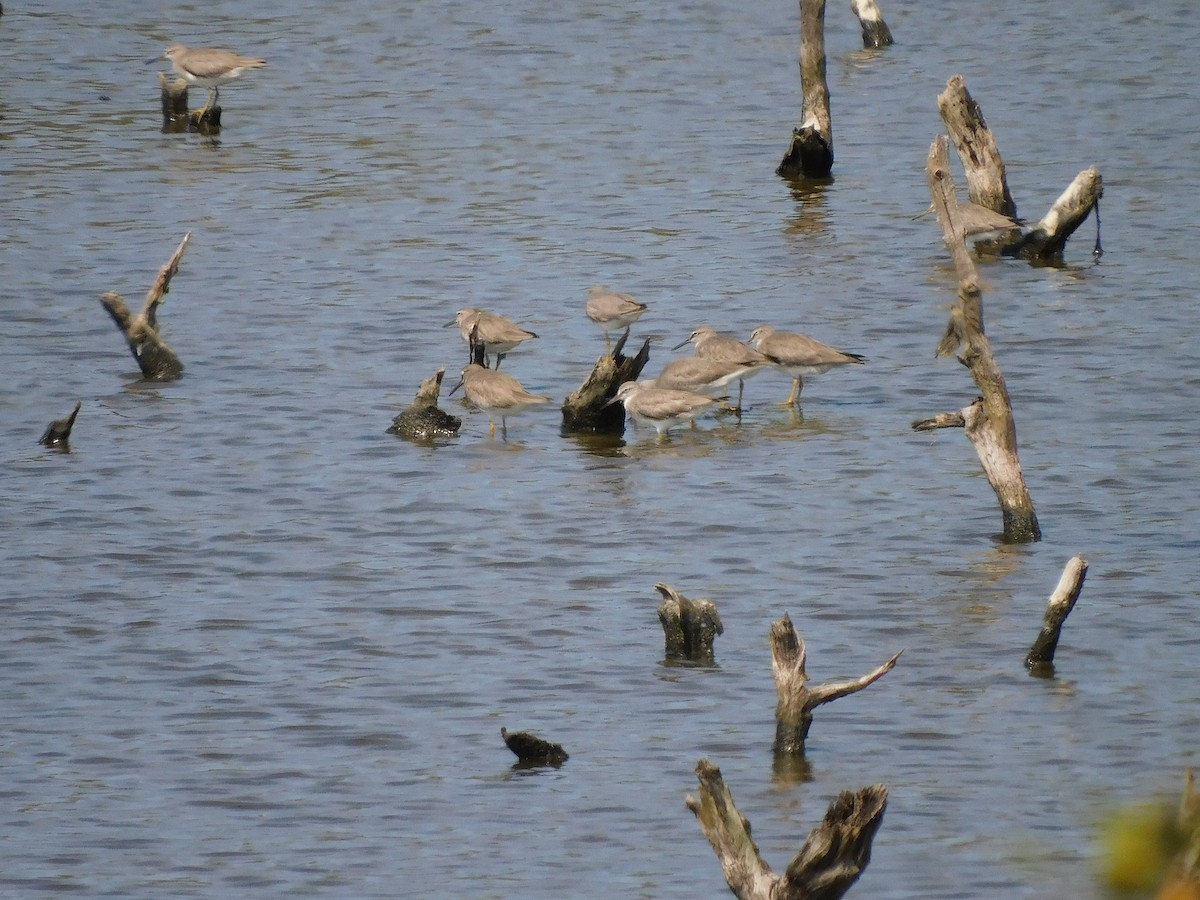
254	645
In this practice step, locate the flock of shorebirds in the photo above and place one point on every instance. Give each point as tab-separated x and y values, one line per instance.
684	389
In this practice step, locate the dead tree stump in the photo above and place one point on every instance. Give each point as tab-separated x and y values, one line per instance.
829	862
1048	238
988	421
58	434
875	33
690	626
1040	659
588	408
158	362
531	750
424	420
810	153
793	711
173	95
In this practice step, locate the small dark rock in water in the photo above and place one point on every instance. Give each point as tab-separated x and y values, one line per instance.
531	750
423	420
59	432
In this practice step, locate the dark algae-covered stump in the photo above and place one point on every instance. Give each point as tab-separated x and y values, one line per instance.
58	433
810	153
531	750
988	421
424	420
157	361
1040	659
796	700
832	858
690	626
875	33
589	408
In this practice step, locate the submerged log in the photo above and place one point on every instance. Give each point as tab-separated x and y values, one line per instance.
793	711
690	626
875	32
988	421
1048	238
1040	659
158	362
810	153
423	420
588	408
531	750
829	862
58	434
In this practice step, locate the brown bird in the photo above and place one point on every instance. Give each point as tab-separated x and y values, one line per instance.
660	407
208	68
709	344
496	333
799	355
496	393
612	311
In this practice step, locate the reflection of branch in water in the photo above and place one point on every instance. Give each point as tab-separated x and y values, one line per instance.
811	216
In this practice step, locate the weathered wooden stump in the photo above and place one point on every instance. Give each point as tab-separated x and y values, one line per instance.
589	407
173	95
531	750
690	626
424	420
796	700
1040	659
157	361
988	421
810	153
1048	238
875	33
58	433
826	865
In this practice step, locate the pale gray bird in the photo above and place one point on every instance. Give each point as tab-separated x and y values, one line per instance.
208	67
703	376
660	407
496	333
612	311
709	344
497	394
799	355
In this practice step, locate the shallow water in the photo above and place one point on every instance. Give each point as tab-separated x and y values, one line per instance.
255	645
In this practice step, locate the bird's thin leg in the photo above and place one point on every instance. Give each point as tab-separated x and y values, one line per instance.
499	359
741	390
791	400
491	429
503	426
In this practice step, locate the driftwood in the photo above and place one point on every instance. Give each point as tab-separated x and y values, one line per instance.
1040	658
157	361
810	153
793	712
989	420
531	750
829	862
58	434
987	184
423	420
588	407
690	626
875	32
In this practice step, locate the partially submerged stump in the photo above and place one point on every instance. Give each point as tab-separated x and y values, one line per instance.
531	750
423	420
588	407
987	183
158	362
875	33
58	434
1040	659
690	626
793	711
810	153
988	421
173	95
829	862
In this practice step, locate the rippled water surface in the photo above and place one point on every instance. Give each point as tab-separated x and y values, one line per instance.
254	645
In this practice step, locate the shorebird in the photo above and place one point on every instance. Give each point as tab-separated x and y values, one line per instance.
799	355
496	333
709	344
208	68
496	393
660	407
703	376
423	419
613	311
